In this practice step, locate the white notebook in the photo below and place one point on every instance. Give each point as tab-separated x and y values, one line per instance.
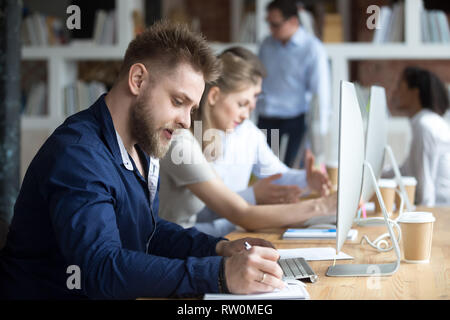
313	254
316	234
294	290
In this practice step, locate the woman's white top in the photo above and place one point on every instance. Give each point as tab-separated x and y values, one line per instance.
245	151
429	158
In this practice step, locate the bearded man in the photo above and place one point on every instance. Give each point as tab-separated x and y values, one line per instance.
86	222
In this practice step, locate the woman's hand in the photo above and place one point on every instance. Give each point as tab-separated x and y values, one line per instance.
267	192
326	206
317	180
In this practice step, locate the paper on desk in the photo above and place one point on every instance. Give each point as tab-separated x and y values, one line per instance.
313	254
294	290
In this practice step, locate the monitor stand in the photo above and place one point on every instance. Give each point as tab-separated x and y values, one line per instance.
367	270
398	178
404	196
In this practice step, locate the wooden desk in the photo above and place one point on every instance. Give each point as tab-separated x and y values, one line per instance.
411	281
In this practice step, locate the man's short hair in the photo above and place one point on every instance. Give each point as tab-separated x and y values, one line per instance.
165	45
288	8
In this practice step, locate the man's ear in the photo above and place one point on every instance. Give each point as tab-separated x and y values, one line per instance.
213	95
136	75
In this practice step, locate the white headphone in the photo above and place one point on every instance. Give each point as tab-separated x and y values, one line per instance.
381	243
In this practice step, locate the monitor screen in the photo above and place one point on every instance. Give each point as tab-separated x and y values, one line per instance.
376	139
351	161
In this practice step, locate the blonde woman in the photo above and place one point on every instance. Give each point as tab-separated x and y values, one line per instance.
188	171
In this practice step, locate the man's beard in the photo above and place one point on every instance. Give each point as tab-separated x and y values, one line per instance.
145	131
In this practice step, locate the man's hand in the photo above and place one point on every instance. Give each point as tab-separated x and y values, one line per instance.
254	270
317	180
228	248
267	192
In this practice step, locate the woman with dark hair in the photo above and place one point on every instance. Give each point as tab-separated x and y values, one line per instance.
422	97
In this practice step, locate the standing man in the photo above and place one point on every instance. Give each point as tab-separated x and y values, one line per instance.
85	223
297	71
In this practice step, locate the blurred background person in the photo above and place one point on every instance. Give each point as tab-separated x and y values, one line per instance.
297	72
421	96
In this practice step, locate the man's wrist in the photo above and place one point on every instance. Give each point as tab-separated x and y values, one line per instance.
220	247
222	282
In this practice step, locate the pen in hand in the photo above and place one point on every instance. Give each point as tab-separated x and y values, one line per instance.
248	246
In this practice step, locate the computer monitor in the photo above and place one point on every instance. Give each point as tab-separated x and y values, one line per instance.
350	180
376	139
351	161
377	145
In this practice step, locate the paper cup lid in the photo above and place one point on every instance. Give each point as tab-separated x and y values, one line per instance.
387	183
332	164
409	181
416	217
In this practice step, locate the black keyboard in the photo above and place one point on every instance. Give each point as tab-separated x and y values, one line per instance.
297	268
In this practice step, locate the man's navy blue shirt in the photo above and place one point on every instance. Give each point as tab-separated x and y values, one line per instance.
79	205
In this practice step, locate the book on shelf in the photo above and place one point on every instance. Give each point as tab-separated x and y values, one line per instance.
391	24
139	23
104	27
248	30
332	29
80	95
383	23
398	23
40	30
104	31
307	21
434	26
36	100
99	25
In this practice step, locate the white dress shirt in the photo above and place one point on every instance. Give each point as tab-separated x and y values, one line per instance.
153	170
296	72
429	158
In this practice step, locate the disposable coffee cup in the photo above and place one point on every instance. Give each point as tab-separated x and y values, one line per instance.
332	171
417	236
410	184
387	190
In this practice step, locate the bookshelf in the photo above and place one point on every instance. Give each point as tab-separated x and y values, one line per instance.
342	55
62	69
62	61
